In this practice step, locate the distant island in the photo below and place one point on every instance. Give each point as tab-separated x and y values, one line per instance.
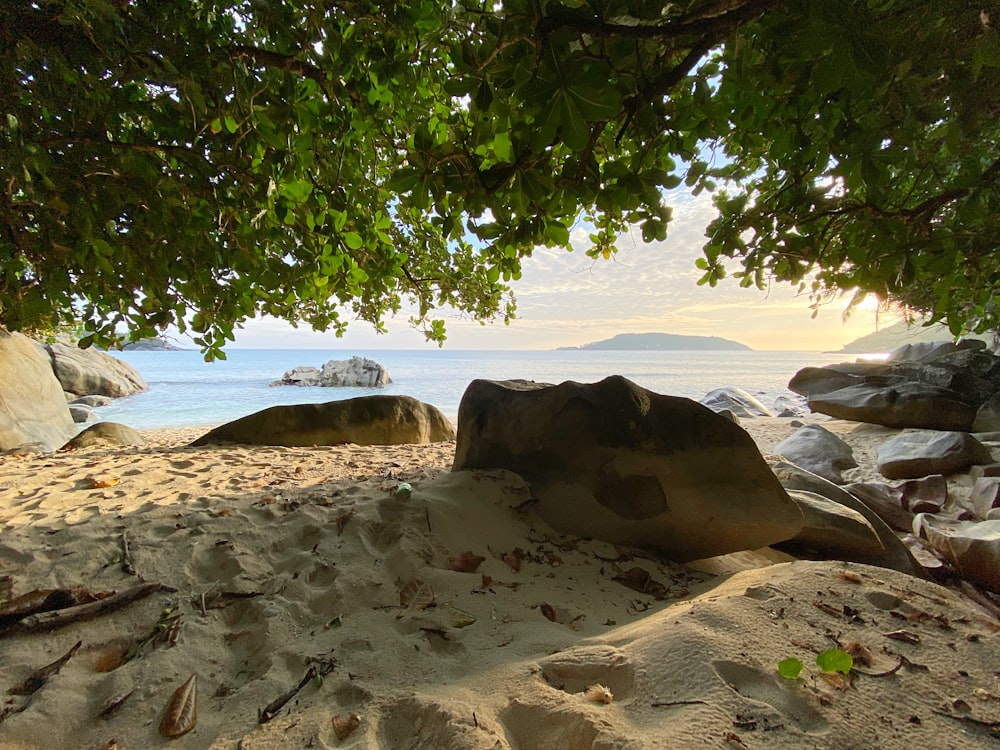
900	333
159	344
660	342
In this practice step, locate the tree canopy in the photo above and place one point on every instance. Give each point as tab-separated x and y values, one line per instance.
196	162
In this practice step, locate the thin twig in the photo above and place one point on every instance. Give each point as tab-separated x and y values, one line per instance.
316	669
128	564
902	662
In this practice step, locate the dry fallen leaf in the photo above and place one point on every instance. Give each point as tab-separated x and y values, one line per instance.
111	655
466	562
860	653
836	680
640	580
342	520
514	559
181	715
416	595
101	481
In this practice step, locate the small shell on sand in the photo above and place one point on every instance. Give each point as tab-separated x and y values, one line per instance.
598	694
344	726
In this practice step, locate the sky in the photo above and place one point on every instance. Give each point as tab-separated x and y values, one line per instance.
567	299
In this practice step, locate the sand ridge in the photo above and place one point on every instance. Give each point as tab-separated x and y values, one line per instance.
449	616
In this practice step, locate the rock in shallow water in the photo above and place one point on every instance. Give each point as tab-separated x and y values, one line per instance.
356	372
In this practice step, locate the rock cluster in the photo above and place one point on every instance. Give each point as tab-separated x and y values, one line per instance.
46	390
614	461
937	394
356	372
937	387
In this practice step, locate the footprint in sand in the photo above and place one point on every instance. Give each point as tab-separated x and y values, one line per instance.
249	647
565	725
412	723
762	687
574	670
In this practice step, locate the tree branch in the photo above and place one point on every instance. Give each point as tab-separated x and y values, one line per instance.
722	16
270	59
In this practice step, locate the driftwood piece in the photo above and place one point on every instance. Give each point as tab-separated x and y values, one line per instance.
60	617
316	669
17	608
35	682
37	679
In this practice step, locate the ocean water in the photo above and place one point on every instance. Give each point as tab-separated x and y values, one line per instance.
184	390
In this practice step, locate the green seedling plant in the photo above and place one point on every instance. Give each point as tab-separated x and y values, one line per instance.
831	660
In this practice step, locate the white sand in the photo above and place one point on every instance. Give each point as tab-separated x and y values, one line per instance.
278	558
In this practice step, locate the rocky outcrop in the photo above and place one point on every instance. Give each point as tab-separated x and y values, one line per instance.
988	415
930	350
82	414
971	548
938	386
33	408
103	435
367	420
919	453
818	450
897	504
837	534
356	372
85	372
902	405
985	496
617	462
737	401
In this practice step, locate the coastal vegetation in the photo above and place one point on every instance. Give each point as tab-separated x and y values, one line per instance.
200	162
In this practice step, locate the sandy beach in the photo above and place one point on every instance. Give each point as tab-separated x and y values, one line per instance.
367	597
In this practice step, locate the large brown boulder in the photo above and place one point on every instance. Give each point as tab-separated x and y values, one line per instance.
919	453
104	435
815	448
614	461
838	534
367	420
32	405
903	405
85	372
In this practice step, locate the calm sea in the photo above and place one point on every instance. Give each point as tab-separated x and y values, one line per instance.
184	390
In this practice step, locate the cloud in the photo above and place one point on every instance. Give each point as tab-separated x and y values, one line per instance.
568	299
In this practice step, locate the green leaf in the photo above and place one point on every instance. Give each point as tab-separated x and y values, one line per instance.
353	240
230	123
596	104
503	148
835	660
790	668
558	234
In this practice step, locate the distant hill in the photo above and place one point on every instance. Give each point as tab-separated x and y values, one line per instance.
898	334
151	345
661	342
